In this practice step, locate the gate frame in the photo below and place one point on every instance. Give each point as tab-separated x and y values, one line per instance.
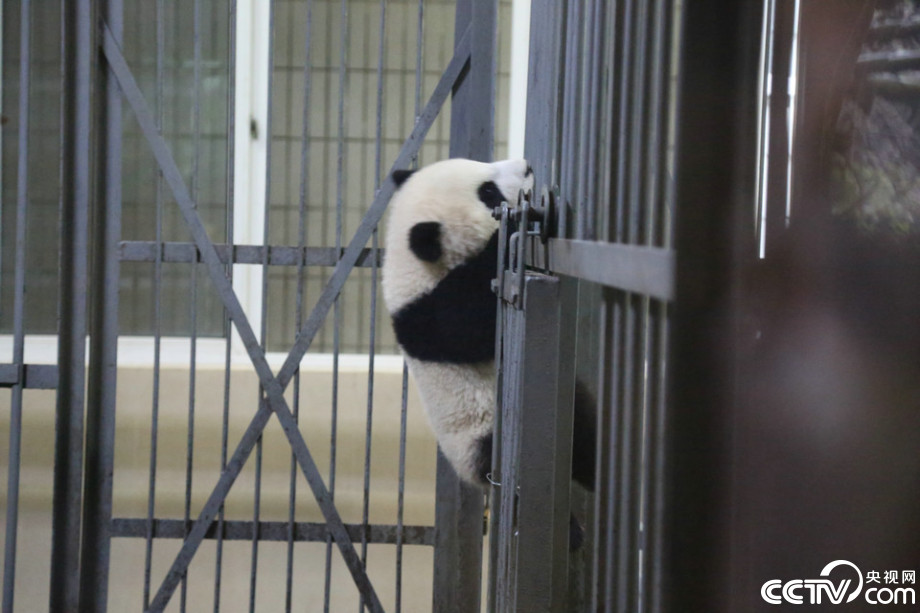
562	114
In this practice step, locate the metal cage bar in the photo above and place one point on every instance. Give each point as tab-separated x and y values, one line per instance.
19	288
103	326
459	506
76	57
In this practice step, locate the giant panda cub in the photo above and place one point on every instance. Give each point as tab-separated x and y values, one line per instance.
441	256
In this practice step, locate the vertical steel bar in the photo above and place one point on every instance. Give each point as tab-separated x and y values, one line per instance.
378	139
510	391
256	517
337	307
649	449
401	487
404	401
301	280
589	79
76	54
627	486
675	24
230	165
495	493
263	333
19	286
458	510
594	53
193	282
419	43
102	375
625	12
605	182
298	304
655	512
615	305
157	307
630	487
637	114
583	26
544	95
599	562
604	507
568	180
655	143
643	439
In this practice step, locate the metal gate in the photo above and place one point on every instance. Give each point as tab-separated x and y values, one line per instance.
102	97
586	297
684	255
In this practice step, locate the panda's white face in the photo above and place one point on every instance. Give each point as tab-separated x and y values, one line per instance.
441	216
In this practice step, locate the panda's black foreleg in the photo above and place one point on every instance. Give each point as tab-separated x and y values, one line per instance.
584	437
484	459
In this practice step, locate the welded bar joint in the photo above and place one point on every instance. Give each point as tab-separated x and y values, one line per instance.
32	376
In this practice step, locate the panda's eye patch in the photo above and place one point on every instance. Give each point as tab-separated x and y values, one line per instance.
425	241
490	195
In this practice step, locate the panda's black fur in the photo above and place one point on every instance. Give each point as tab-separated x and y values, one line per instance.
455	322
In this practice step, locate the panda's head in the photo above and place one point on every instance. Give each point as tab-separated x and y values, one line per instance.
440	217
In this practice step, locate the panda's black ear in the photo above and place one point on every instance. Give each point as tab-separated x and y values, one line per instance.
425	241
401	176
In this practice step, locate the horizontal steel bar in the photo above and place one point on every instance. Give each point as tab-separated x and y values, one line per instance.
146	251
273	531
34	376
642	270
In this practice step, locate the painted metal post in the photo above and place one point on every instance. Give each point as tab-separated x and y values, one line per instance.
459	507
531	573
716	160
76	56
101	380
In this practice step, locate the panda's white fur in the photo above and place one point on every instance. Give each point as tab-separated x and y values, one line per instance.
445	192
446	199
